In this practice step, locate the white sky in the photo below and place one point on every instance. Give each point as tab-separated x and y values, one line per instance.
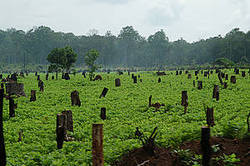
190	19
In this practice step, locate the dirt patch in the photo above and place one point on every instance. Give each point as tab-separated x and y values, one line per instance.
169	157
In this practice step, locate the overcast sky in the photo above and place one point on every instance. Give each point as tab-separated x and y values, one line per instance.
191	19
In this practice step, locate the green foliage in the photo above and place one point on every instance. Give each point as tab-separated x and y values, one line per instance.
127	108
61	58
89	60
224	62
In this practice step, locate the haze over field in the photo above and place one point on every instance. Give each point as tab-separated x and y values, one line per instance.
191	19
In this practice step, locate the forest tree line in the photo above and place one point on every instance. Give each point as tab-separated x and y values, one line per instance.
127	49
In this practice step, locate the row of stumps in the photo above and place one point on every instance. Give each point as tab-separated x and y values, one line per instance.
65	122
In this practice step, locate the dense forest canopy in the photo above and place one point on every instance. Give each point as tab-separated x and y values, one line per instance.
127	49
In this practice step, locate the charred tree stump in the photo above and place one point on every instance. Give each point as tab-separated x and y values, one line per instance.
189	76
35	73
1	76
84	74
199	85
237	71
150	101
104	92
233	79
226	77
177	72
20	136
210	117
159	80
103	113
47	76
216	92
60	130
180	72
69	120
194	83
140	80
33	95
196	73
53	77
135	79
243	74
75	99
222	75
41	85
12	107
205	146
117	82
66	76
184	101
2	145
97	145
38	77
225	85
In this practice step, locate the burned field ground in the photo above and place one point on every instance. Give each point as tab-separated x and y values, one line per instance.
127	107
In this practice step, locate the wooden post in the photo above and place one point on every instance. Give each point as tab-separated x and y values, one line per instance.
69	120
11	107
205	146
103	113
2	145
117	82
60	130
104	92
97	145
199	85
210	116
159	80
33	95
233	79
150	101
184	100
216	92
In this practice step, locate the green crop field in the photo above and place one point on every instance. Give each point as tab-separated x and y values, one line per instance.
127	108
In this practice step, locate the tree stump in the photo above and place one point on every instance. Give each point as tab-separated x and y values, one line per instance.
35	73
75	100
180	72
104	92
53	77
98	77
243	74
184	100
199	85
66	76
216	92
41	85
69	120
84	74
205	146
117	82
233	79
225	85
210	116
189	76
33	95
2	145
237	71
196	72
12	107
97	145
194	83
60	130
1	76
222	75
177	72
135	79
47	76
103	113
186	72
159	80
226	77
38	77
